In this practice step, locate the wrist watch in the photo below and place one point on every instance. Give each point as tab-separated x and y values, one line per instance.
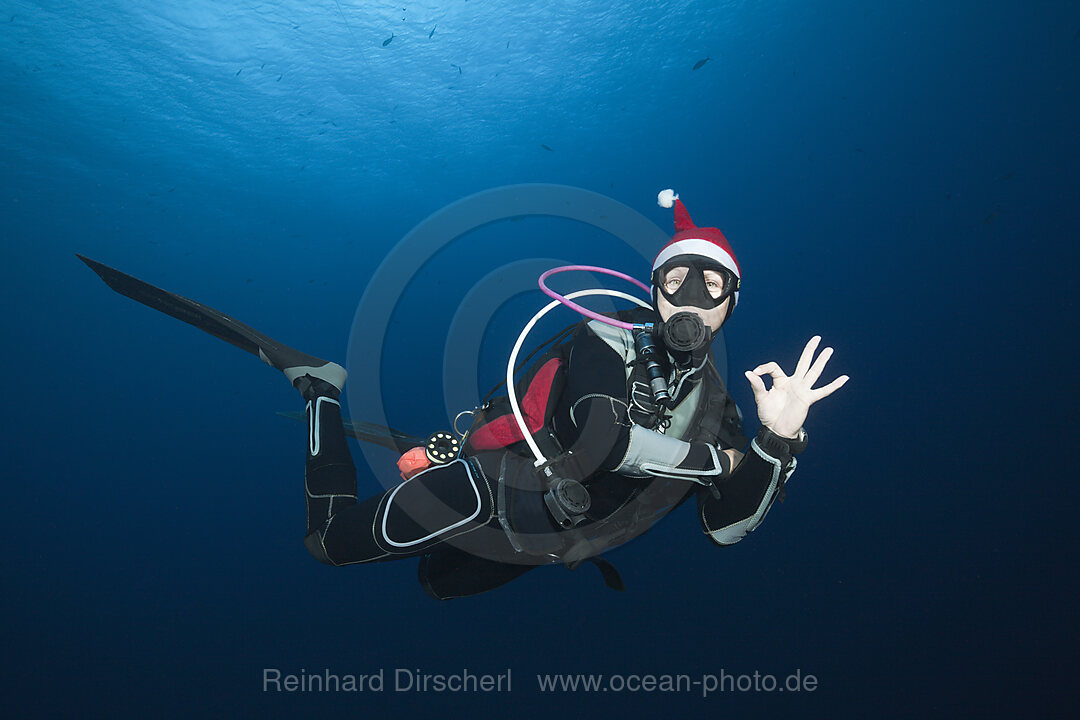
778	446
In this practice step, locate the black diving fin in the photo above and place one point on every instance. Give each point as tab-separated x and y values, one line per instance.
290	361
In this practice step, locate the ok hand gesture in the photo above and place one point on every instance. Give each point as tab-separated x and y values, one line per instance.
782	408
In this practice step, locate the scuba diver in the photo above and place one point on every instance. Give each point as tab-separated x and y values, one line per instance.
621	420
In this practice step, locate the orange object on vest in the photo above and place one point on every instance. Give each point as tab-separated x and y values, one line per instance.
413	462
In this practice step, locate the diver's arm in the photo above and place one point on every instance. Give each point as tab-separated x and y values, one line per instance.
596	426
735	505
652	453
602	436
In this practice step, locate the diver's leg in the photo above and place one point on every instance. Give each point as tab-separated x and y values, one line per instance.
439	506
329	474
408	520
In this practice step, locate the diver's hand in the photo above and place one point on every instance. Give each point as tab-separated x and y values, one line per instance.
782	408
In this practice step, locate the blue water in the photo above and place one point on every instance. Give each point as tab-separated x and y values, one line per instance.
901	180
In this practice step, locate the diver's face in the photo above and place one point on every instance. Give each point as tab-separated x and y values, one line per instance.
714	286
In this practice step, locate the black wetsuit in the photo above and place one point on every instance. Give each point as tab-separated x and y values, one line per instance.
480	521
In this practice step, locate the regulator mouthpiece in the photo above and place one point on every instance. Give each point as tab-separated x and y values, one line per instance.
684	332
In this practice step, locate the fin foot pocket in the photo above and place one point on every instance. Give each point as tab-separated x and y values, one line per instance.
313	386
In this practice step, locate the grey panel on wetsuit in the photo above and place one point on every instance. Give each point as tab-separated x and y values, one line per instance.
434	505
619	340
650	453
683	415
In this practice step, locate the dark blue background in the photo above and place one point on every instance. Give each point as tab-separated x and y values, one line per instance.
901	180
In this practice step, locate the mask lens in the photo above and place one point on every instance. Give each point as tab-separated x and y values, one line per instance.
715	283
701	284
673	276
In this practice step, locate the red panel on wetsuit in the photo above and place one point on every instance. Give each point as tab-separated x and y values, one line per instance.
504	430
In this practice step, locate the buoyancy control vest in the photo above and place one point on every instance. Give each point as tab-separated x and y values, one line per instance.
702	410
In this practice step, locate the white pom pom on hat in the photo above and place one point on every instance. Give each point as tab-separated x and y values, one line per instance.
667	198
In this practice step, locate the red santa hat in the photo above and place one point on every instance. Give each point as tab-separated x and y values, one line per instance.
692	240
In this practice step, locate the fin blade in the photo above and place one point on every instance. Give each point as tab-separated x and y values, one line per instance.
205	318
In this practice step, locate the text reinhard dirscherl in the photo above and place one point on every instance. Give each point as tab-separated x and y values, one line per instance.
402	680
